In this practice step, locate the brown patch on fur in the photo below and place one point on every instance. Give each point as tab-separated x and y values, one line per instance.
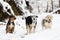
9	30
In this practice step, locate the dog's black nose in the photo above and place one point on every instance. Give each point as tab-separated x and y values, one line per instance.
49	19
34	19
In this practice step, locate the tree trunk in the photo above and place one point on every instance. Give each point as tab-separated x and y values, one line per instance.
59	3
52	4
47	7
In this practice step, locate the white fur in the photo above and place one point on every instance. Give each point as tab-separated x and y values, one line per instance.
47	24
11	25
33	24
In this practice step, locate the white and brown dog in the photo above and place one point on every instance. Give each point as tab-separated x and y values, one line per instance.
31	22
10	25
46	23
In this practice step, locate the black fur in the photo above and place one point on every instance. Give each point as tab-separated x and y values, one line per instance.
29	20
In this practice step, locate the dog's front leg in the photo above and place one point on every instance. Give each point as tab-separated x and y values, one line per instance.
7	29
30	28
27	29
34	29
12	30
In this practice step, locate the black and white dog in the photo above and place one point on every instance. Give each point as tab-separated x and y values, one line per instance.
31	22
46	22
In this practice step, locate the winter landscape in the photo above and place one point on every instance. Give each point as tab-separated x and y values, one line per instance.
24	8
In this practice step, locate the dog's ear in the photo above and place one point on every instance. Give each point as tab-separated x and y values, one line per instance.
36	16
31	16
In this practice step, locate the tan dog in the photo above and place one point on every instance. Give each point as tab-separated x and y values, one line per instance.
10	25
46	23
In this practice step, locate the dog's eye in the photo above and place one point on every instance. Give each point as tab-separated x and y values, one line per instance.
48	17
36	16
34	19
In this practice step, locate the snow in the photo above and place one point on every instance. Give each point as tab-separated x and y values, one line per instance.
20	30
20	25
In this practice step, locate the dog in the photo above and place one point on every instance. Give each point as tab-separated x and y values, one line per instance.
10	25
46	23
31	22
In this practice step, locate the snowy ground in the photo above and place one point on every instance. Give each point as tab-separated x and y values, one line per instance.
19	33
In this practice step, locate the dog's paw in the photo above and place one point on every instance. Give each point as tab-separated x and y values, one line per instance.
26	34
22	36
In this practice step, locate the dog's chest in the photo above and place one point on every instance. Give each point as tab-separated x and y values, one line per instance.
11	25
33	24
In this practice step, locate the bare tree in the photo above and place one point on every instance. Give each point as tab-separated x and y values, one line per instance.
59	3
52	4
47	7
38	9
59	6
